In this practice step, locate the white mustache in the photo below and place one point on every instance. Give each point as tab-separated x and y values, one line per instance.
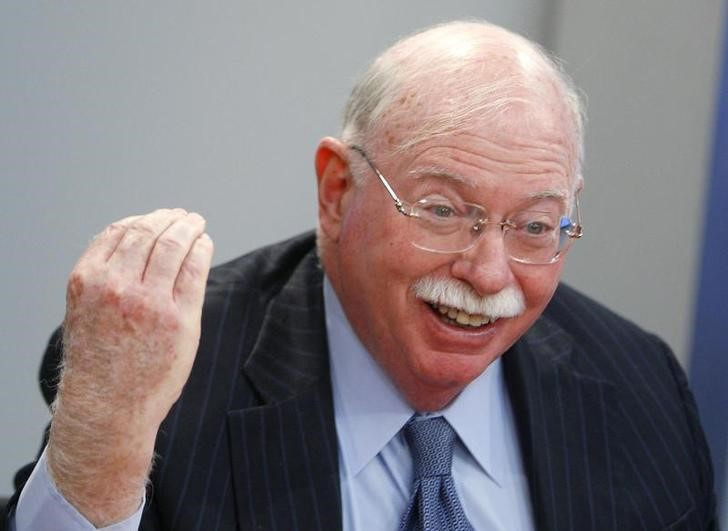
509	302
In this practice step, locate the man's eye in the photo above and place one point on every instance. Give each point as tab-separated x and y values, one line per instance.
536	228
442	211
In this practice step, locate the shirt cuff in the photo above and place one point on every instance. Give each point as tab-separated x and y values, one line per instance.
41	507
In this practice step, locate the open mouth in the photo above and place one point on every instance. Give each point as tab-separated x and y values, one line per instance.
460	318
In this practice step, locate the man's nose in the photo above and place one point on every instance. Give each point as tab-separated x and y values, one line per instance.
486	266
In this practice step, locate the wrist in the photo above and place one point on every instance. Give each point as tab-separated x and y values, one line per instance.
99	466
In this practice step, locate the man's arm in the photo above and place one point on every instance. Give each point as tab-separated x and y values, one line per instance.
131	331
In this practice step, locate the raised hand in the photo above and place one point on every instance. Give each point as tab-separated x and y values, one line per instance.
131	332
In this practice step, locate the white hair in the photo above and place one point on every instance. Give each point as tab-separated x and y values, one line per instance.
448	58
509	302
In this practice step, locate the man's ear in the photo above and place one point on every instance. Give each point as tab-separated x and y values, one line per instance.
335	184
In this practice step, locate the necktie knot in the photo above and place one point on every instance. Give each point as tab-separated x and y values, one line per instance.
431	442
434	504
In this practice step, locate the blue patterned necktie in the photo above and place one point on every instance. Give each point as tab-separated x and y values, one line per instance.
434	504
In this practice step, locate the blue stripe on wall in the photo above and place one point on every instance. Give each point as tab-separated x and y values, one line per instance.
709	361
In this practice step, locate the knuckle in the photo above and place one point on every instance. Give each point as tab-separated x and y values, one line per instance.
203	244
76	284
116	226
170	243
196	218
143	229
195	266
207	241
109	231
192	269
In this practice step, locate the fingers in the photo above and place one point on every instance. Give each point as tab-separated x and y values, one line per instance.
189	289
105	243
170	249
164	250
131	255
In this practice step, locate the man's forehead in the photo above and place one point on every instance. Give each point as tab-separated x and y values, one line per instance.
520	99
529	120
487	150
440	172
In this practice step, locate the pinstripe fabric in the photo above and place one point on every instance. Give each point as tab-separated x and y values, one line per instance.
609	432
254	407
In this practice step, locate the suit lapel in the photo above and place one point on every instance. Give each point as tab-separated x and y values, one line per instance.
284	453
568	434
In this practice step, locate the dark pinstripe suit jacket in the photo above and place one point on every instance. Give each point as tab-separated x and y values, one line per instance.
609	432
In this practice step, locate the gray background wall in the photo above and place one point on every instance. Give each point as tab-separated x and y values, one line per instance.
109	108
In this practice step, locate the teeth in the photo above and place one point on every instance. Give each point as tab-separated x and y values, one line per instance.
463	318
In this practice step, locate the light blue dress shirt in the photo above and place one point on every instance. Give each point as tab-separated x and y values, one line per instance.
42	508
375	465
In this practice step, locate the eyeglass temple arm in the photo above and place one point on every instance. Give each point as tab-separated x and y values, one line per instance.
397	201
578	230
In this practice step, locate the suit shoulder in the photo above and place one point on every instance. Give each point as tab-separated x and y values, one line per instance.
266	268
652	403
607	345
587	318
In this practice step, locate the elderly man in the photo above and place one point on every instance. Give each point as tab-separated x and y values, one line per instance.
419	368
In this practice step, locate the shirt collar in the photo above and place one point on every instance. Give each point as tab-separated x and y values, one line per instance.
369	410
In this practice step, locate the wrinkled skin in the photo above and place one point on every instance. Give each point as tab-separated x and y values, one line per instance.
132	328
373	267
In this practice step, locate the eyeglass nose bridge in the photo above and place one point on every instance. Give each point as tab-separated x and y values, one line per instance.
481	224
478	229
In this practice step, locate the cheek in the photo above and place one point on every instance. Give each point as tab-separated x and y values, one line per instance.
364	220
538	284
375	235
376	253
367	253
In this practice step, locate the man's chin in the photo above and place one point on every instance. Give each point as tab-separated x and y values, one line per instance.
440	376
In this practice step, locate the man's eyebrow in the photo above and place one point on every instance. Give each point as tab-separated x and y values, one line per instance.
555	193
